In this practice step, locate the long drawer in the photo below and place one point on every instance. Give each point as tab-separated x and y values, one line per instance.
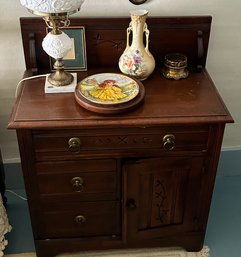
73	143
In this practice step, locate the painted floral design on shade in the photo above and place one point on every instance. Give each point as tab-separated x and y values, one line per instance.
132	63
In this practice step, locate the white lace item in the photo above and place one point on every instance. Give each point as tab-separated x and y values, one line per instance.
4	227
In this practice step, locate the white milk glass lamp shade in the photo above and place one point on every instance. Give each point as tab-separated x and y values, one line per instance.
52	6
57	46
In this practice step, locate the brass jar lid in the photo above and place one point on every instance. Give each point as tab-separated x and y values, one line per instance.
175	66
175	60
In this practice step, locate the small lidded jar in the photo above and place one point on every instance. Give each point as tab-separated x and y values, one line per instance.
175	66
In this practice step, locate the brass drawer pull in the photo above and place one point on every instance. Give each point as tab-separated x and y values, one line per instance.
80	219
78	184
169	142
74	144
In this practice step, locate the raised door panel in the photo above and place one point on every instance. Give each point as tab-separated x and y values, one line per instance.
162	197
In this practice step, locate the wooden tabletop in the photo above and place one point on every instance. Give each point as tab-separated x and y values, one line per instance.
185	101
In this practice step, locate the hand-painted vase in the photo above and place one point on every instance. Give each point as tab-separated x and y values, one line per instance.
136	60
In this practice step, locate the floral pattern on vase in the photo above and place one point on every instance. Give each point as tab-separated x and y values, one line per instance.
132	64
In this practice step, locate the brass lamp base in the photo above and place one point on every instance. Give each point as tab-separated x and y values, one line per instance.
60	77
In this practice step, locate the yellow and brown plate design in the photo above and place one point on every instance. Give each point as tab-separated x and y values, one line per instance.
108	88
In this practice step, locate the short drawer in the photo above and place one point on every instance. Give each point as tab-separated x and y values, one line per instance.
82	220
73	143
83	180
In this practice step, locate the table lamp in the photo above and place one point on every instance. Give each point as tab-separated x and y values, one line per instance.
57	43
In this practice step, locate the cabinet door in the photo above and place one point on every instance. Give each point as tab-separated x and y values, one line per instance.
162	197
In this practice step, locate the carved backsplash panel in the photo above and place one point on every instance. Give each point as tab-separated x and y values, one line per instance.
106	39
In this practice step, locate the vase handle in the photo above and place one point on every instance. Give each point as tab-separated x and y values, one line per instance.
128	32
147	33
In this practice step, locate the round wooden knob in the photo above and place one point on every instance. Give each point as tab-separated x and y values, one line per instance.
131	204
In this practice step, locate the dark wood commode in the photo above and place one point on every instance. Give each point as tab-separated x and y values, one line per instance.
138	179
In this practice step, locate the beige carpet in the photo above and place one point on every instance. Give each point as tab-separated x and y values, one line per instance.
154	252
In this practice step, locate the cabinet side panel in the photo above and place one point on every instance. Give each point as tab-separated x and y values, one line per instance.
26	149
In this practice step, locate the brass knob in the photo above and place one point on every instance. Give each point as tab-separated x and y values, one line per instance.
80	219
78	184
169	142
74	144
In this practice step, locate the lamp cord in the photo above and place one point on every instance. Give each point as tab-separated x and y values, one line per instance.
16	194
22	80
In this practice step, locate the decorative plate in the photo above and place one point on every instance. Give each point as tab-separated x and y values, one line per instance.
108	88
